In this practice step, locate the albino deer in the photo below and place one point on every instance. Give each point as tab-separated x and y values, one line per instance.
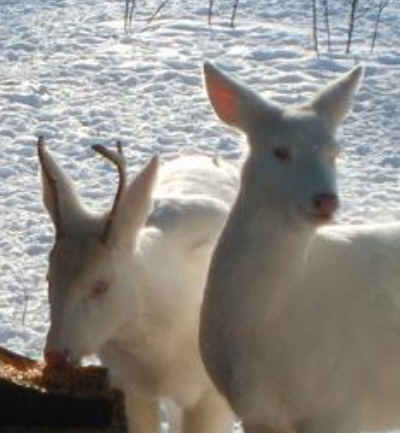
300	325
128	284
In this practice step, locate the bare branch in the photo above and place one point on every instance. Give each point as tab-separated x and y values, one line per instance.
129	8
157	11
314	27
25	310
382	5
210	11
234	11
327	24
353	14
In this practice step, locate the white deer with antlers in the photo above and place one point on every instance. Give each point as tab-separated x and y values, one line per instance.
128	284
300	325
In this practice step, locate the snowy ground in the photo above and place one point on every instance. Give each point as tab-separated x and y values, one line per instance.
68	71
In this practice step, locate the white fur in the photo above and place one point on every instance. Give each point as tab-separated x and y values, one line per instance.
300	325
145	326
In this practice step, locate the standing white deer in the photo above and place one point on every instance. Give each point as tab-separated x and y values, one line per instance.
300	325
128	284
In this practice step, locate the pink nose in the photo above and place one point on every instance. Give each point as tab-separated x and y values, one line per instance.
55	359
325	205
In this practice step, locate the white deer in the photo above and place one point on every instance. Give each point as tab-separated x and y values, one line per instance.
128	284
300	325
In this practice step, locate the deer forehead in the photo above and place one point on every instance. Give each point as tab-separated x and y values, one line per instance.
298	129
74	260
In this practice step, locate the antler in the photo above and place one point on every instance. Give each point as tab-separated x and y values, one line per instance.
118	159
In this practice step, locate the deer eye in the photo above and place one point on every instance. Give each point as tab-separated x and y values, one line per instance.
282	154
332	156
99	288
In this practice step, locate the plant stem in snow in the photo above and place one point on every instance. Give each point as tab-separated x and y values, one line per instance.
381	6
129	7
354	6
157	11
210	11
234	10
25	307
327	23
315	30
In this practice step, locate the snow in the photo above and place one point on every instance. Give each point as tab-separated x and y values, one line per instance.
70	73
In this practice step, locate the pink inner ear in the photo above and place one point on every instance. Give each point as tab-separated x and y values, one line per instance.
224	100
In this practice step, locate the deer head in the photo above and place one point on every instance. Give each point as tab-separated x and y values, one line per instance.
291	166
92	262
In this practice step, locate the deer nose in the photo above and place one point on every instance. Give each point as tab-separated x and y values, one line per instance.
56	359
325	205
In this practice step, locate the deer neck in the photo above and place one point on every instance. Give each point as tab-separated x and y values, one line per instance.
267	256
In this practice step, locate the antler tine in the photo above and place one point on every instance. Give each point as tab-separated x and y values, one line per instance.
118	159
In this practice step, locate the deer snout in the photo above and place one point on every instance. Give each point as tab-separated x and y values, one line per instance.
55	359
324	206
54	355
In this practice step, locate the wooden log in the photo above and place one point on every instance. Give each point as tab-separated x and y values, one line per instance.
33	396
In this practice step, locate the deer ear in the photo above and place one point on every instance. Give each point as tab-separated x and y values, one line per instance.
224	94
333	102
134	207
58	193
234	103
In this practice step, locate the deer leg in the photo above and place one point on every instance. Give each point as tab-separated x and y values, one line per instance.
210	415
174	415
142	413
257	428
334	422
